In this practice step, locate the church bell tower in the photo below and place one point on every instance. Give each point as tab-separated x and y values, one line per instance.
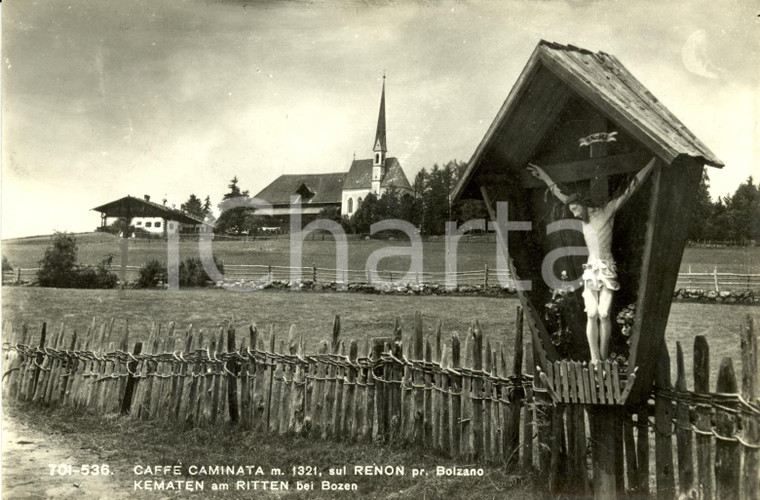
380	149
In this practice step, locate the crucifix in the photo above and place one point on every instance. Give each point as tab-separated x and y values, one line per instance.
597	216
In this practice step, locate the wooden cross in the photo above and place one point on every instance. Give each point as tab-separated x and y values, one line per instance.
599	186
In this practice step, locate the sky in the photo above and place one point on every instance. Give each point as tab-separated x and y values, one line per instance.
104	98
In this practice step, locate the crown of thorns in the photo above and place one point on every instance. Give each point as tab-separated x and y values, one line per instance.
574	198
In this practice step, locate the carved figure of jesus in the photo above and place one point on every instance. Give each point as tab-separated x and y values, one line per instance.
599	273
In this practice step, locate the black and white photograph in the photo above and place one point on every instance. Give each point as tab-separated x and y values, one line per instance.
409	249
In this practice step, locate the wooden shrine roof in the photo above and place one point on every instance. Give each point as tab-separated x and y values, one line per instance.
552	73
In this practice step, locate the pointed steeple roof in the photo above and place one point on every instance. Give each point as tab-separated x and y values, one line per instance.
380	142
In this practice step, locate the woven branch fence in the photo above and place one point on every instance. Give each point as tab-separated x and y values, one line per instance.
464	401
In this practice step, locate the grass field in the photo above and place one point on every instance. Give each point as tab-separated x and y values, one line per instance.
362	316
472	254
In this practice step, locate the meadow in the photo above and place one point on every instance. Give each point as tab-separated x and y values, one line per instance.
474	252
363	316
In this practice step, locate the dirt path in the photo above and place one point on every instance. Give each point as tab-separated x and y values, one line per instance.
26	454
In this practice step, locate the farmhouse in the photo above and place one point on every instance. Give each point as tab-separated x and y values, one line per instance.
592	127
344	190
149	219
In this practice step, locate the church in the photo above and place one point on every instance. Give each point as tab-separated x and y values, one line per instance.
344	190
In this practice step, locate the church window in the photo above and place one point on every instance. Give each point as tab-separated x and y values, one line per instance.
350	205
358	203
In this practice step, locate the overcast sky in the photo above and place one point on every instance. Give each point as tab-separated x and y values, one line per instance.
103	98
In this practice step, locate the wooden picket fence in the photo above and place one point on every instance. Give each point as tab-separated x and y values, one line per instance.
465	400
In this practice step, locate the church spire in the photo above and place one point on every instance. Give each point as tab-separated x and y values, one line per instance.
380	142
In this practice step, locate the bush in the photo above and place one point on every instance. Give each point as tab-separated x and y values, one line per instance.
98	277
191	273
152	273
59	268
7	267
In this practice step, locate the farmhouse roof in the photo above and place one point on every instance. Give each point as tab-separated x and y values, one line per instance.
360	175
313	188
600	79
129	206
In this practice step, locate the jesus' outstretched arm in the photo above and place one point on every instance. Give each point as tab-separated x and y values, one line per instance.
540	174
633	186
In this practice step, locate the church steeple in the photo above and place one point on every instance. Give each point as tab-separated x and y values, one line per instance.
380	143
381	148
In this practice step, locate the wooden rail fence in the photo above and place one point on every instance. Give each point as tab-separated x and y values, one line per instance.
712	281
462	398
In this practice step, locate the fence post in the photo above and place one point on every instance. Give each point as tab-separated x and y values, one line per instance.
485	278
456	396
126	403
512	422
269	273
232	367
641	486
527	447
715	278
437	396
603	426
418	381
18	276
272	368
428	412
690	283
683	433
395	389
727	457
40	357
477	392
750	424
663	427
314	273
328	428
702	418
378	346
350	398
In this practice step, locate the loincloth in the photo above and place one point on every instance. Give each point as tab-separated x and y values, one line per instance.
600	273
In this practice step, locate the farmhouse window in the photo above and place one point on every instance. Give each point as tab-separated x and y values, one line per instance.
158	224
148	224
138	223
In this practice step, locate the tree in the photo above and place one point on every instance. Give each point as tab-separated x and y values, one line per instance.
206	205
233	221
330	213
58	265
234	190
193	207
702	211
7	267
744	210
366	215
